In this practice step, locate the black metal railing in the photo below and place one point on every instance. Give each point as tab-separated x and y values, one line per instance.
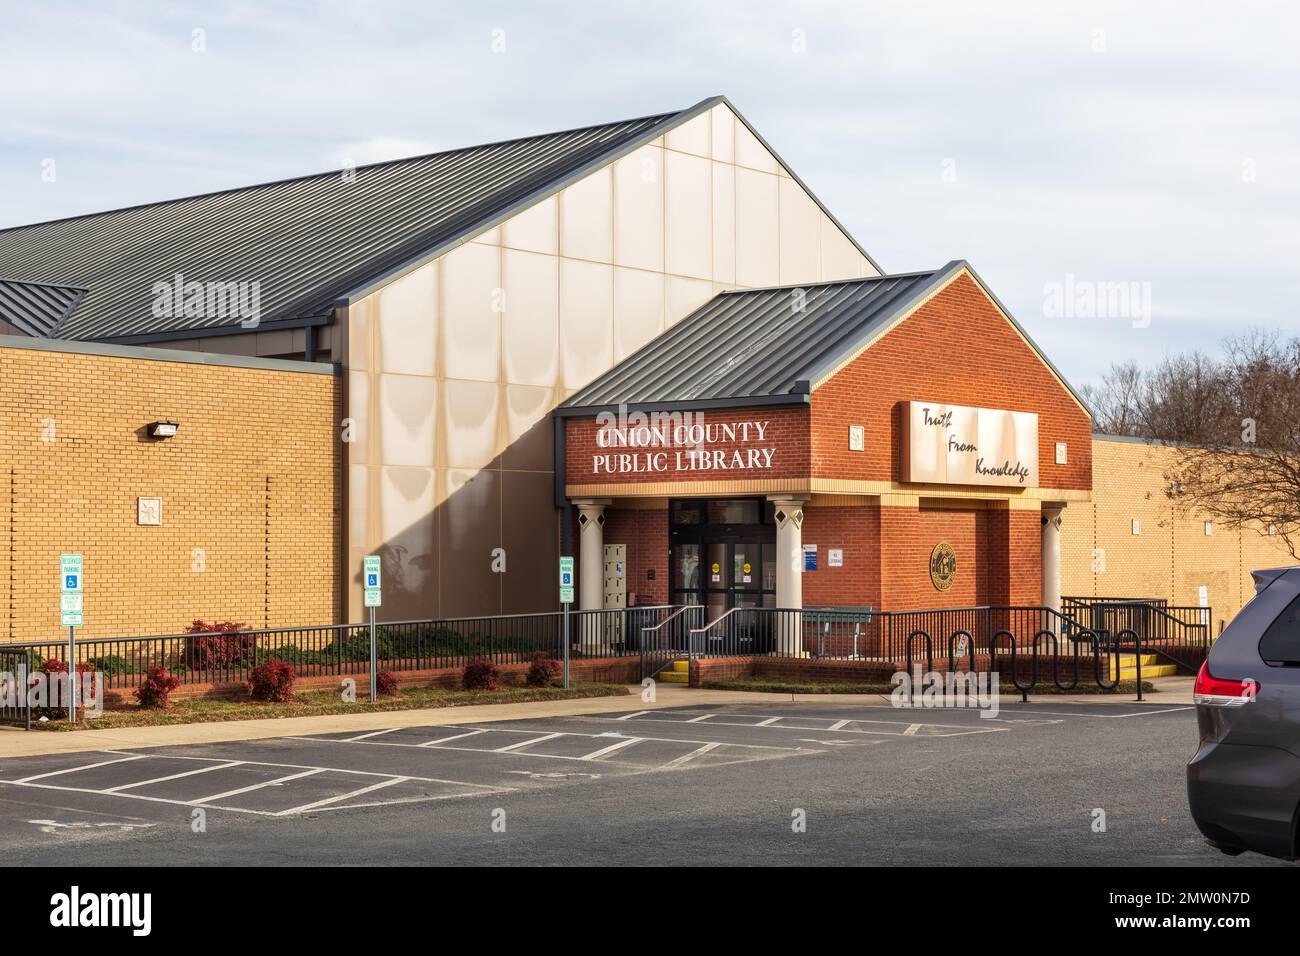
1063	645
15	666
227	657
669	639
870	635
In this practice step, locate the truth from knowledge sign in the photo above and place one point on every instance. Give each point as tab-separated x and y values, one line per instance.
957	445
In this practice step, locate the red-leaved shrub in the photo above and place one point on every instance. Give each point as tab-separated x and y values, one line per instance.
481	674
57	689
156	687
386	683
214	646
544	671
272	681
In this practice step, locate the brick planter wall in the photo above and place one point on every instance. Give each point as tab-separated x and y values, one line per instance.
608	670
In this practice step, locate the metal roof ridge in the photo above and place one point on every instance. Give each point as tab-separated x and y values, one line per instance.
658	117
829	282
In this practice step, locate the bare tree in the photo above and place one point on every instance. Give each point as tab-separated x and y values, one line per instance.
1115	403
1244	468
1184	399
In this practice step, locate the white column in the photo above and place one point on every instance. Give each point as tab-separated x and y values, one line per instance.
788	512
1051	556
591	554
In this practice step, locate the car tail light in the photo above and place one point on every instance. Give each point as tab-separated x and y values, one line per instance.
1217	692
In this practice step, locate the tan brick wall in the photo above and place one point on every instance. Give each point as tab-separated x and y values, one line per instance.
1172	557
249	489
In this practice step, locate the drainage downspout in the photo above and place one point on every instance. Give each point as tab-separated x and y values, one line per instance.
561	500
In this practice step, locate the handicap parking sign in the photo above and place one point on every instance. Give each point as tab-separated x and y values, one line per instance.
69	582
372	580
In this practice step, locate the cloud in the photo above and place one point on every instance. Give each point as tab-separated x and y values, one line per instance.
1149	142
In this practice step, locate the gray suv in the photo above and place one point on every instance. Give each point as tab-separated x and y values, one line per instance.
1243	785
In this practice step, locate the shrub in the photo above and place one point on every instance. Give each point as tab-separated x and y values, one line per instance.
272	681
481	674
355	647
386	683
56	696
156	687
288	654
49	667
544	671
111	665
214	646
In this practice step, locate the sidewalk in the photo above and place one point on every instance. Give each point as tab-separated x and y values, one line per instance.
1173	691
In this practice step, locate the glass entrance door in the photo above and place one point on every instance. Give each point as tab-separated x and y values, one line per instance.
726	562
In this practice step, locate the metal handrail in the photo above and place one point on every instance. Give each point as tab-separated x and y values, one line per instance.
677	613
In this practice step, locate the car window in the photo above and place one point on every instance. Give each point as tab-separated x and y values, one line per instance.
1281	642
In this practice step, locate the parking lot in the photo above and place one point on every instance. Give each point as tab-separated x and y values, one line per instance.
772	782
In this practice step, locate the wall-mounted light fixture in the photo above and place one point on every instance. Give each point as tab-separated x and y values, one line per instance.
163	429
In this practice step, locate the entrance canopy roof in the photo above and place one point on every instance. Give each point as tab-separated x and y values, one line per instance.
769	346
760	343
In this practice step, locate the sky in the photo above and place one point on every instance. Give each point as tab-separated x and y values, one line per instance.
1125	176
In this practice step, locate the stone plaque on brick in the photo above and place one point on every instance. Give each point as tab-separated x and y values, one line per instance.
148	511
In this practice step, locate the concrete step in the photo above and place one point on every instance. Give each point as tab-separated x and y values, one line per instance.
674	677
684	666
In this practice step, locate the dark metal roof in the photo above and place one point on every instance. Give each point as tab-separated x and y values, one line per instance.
36	310
307	242
769	346
758	344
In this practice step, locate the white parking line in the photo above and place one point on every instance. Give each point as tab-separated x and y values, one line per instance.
702	717
175	776
132	796
525	743
374	733
256	786
338	798
943	730
686	758
384	780
1140	713
612	748
635	713
427	743
89	766
566	733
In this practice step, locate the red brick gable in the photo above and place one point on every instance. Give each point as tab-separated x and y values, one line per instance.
957	348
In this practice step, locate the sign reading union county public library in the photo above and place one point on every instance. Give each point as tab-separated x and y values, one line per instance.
683	443
957	445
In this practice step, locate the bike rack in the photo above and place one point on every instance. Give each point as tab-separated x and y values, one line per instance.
952	646
1098	654
929	660
1137	656
1015	672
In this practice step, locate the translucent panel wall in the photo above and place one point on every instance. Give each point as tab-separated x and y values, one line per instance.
454	369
